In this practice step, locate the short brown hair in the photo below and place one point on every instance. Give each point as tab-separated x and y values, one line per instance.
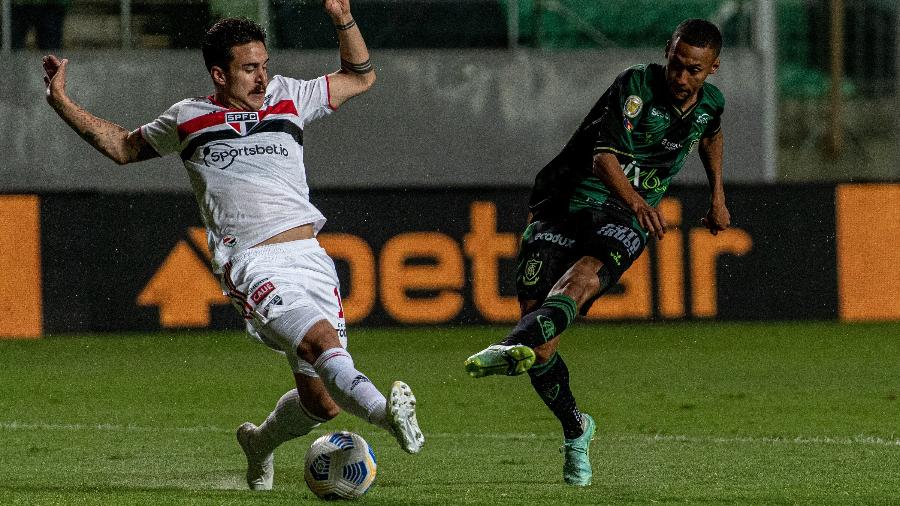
226	34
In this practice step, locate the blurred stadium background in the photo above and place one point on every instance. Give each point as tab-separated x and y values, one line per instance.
425	180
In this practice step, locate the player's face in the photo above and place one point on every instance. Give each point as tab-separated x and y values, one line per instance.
247	76
687	68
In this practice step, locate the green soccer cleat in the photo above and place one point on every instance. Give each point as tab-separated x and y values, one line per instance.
577	465
510	360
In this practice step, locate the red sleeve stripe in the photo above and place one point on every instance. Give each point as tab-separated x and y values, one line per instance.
328	92
282	107
199	123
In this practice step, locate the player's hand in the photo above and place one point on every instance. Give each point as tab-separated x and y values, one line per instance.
651	219
717	218
339	10
55	77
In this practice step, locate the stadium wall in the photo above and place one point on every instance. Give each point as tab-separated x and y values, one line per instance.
79	262
436	118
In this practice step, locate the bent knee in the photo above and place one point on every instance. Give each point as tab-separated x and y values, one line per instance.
322	336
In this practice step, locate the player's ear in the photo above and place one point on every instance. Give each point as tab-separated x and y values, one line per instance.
714	66
218	75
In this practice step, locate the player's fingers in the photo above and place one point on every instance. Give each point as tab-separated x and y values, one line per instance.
51	62
651	223
660	224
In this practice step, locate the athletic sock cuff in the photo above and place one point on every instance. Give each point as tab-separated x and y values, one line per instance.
539	369
330	354
565	303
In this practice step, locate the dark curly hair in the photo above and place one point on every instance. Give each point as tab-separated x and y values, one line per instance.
699	33
226	34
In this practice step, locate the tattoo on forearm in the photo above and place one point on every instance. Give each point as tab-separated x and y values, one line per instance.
357	68
346	26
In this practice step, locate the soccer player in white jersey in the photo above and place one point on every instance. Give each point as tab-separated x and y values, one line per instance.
243	149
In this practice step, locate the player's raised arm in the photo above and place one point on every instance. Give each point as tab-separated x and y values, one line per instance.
357	74
114	141
711	148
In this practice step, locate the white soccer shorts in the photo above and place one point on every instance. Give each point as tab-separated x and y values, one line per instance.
293	282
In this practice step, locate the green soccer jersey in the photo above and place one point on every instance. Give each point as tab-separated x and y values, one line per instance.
635	121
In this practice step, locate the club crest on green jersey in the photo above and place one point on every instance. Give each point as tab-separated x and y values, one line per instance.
633	106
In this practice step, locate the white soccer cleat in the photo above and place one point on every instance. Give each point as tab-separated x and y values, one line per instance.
401	411
260	467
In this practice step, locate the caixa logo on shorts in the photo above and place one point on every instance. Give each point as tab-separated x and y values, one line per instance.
560	239
220	155
628	237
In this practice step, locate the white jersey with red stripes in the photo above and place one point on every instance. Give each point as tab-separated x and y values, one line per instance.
246	167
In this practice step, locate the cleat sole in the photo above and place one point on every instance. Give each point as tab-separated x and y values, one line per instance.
517	360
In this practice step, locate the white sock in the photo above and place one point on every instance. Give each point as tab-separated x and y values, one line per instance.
287	421
349	388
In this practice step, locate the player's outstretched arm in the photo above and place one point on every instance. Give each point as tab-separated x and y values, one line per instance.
114	141
609	172
717	217
357	74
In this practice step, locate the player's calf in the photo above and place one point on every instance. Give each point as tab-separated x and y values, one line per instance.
543	324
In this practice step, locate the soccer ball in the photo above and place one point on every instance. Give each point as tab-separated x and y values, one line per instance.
340	465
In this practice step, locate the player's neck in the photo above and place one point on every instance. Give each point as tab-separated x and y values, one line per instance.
222	100
686	104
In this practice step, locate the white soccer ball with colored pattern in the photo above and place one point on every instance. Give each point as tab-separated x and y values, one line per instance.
340	465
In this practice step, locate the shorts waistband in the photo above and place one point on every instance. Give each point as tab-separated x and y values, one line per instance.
279	248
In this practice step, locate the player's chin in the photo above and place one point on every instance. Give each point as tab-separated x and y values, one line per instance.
256	100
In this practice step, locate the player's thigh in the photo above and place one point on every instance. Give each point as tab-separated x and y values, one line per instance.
315	397
613	241
583	281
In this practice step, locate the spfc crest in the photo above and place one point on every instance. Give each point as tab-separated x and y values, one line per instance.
532	272
241	122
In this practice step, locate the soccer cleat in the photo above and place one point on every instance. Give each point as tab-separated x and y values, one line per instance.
510	360
577	464
401	412
260	467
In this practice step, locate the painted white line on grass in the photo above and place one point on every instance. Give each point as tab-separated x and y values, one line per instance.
621	438
798	440
103	427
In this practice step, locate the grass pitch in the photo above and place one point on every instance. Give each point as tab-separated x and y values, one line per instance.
688	413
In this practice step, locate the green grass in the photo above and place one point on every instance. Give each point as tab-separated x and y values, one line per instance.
688	413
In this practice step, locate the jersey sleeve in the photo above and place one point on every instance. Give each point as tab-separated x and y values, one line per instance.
624	109
311	98
715	124
162	133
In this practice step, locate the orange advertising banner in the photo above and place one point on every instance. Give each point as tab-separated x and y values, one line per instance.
20	267
868	258
98	262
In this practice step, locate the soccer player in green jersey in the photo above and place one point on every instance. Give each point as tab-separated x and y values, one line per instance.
593	208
